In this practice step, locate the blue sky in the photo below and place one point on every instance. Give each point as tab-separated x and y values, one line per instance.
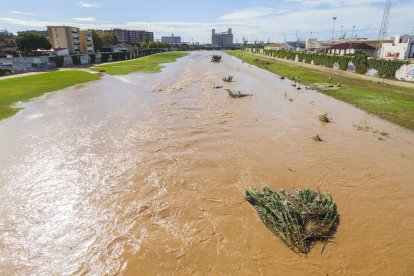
193	20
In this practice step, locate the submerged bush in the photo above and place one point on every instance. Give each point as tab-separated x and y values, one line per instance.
324	118
216	58
317	138
228	79
300	219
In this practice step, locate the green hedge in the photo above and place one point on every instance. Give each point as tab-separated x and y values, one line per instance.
360	60
59	61
128	55
4	71
386	68
76	60
92	57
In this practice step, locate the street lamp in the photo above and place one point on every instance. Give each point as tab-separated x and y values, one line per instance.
352	37
333	28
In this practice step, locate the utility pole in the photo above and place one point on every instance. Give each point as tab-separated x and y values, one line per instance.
352	37
384	27
333	28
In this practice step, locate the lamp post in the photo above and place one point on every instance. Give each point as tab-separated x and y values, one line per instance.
333	28
352	37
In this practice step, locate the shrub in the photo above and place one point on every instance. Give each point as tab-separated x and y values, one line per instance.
59	61
300	219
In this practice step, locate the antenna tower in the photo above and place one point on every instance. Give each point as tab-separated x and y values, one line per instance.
384	26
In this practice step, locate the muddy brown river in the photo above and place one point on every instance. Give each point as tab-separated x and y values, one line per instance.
144	175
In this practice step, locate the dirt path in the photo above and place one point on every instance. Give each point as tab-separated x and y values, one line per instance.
145	174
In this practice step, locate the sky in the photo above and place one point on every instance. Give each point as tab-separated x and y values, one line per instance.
255	20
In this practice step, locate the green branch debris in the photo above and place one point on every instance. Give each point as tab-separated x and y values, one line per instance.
300	219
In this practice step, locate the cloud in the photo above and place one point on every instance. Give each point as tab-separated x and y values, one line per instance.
85	19
21	13
272	26
89	4
247	13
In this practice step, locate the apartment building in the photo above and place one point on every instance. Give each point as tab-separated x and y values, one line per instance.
223	39
65	37
71	38
86	42
133	36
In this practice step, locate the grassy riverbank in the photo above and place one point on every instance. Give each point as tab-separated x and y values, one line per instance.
390	102
149	64
22	89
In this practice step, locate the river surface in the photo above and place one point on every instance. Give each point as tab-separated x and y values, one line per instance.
145	174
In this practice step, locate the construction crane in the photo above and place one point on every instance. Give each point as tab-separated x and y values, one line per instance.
384	27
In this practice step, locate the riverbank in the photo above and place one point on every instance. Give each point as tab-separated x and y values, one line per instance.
391	102
149	64
23	89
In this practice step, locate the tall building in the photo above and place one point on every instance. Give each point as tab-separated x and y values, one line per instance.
65	37
222	39
86	42
71	38
133	36
171	39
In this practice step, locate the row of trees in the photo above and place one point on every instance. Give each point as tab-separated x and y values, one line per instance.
103	39
153	45
30	42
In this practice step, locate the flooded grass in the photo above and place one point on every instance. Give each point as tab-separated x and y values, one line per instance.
22	89
390	102
149	64
300	219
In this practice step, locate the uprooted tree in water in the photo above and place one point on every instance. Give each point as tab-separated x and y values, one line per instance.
300	219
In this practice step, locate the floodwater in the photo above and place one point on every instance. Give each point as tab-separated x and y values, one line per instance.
144	174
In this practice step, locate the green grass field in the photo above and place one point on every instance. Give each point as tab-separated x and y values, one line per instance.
23	89
149	64
390	102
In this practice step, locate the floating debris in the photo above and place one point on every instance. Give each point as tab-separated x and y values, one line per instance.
216	58
228	79
237	94
300	219
317	138
324	118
